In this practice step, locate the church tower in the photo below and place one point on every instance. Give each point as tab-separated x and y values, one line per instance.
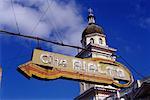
94	39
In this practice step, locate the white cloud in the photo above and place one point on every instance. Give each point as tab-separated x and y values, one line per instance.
62	16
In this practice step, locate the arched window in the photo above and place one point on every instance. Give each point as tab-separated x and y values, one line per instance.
100	41
92	41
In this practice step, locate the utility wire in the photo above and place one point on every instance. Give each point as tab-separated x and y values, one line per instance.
71	46
38	22
45	40
17	26
138	73
38	44
57	33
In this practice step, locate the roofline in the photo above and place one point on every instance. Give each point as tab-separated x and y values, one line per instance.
94	89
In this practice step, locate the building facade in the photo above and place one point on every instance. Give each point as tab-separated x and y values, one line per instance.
140	90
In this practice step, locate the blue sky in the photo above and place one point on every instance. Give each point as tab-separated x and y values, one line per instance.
126	24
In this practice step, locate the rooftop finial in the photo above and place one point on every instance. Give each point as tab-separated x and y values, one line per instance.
91	19
90	10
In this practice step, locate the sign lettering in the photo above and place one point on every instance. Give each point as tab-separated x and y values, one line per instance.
80	65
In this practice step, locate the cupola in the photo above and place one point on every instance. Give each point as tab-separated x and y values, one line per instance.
93	34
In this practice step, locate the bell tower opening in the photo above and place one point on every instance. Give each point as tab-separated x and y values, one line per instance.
100	41
91	41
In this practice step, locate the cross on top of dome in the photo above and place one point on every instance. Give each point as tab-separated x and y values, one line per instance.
91	18
90	10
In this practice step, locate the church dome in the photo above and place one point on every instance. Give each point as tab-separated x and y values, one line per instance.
92	28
